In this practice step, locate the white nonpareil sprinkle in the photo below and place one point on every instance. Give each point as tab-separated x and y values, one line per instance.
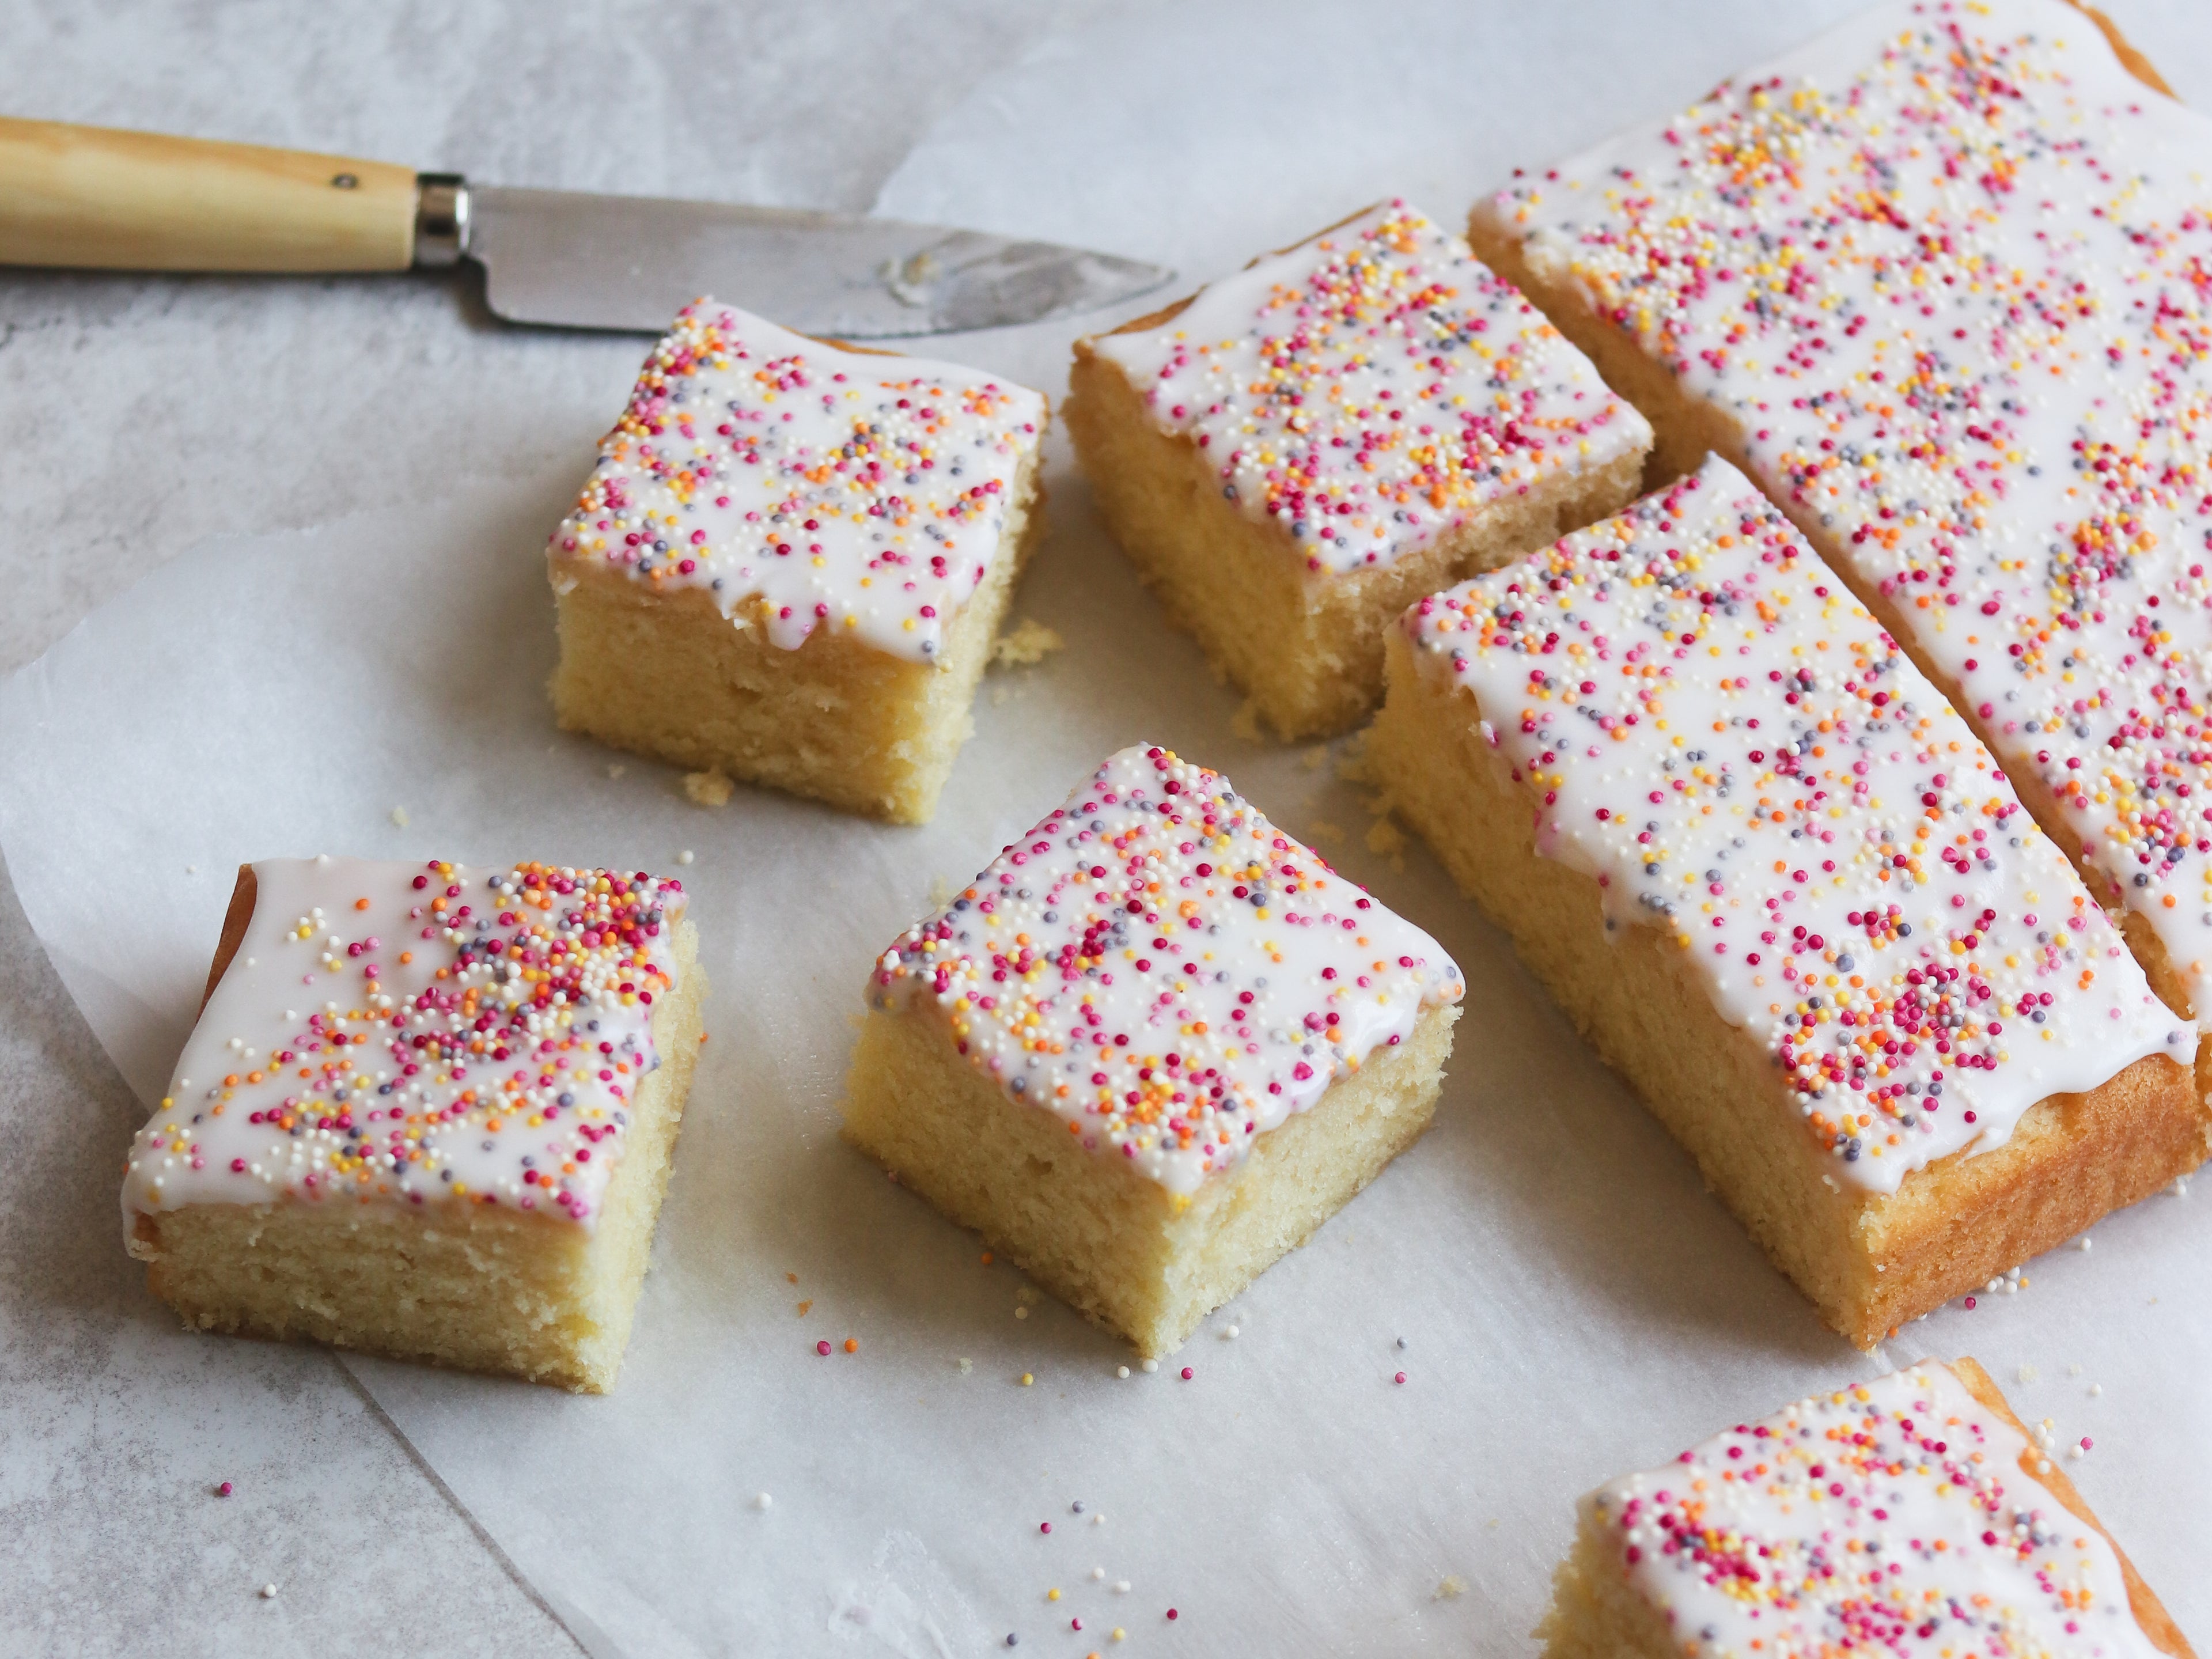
1152	1365
268	1592
1231	1331
684	856
1121	1371
762	1501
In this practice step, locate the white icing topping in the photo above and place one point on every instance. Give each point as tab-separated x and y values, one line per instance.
1890	1517
1160	967
803	486
1948	268
410	1033
1373	389
1721	735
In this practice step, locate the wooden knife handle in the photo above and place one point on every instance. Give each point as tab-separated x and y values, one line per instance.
137	201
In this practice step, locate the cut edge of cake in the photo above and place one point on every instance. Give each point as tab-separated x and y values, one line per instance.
1142	1261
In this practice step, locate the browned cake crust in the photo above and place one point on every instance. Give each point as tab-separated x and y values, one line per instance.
2149	1613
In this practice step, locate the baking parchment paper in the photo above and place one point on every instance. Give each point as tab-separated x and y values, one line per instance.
1571	1303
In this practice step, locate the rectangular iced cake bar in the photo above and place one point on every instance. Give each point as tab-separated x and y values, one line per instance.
791	559
1909	1517
1776	879
1152	1048
1294	454
427	1111
1936	283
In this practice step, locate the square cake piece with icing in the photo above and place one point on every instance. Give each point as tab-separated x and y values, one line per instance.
791	559
1298	452
427	1111
1935	282
1152	1048
1778	882
1911	1518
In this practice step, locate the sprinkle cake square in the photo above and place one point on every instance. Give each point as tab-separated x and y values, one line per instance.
1152	1048
1298	452
1934	282
427	1111
1910	1517
791	559
1775	879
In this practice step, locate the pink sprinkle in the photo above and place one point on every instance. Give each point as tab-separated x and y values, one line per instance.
1186	1373
822	1347
1970	1302
1172	1613
1044	1526
223	1490
1400	1376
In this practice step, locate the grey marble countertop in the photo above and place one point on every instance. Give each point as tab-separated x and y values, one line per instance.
140	415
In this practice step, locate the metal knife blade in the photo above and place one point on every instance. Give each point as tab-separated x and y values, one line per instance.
631	263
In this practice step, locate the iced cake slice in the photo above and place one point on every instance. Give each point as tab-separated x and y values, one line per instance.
791	559
1152	1048
1910	1517
427	1111
1936	283
1298	452
1775	878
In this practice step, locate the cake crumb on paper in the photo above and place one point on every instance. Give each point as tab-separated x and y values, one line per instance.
1453	1587
708	789
399	817
1028	643
1384	836
1244	724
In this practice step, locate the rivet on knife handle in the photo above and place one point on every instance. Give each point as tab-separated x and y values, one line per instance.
103	198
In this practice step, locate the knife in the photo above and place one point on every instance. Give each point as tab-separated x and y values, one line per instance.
110	199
